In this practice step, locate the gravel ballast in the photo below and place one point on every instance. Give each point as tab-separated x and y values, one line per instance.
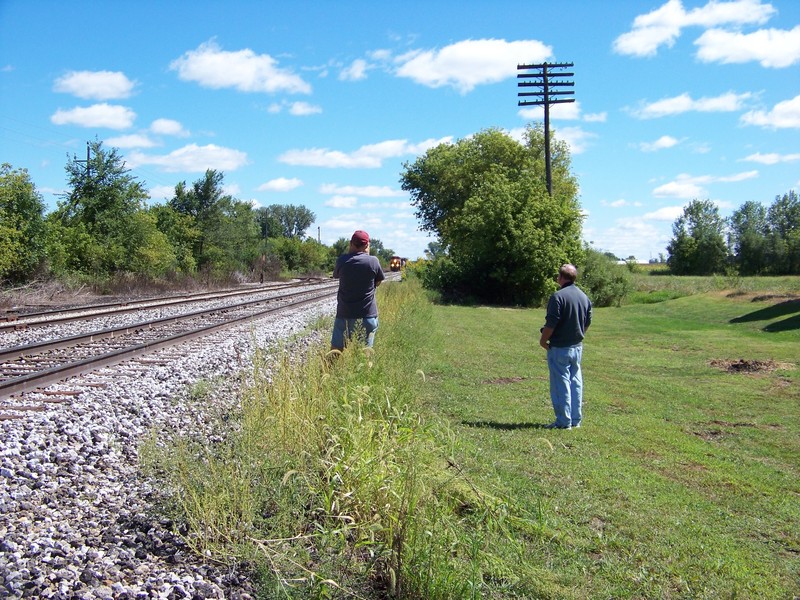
77	519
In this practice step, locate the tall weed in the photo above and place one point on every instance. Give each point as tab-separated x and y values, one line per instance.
334	480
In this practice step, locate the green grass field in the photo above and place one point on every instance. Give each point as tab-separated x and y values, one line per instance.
423	470
684	481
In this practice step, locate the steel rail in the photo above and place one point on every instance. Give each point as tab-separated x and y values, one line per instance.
128	306
30	382
13	352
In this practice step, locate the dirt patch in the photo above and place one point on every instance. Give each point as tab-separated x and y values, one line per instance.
743	365
503	380
710	435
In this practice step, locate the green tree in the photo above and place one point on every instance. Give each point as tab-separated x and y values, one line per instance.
203	202
604	281
485	199
22	225
748	238
293	220
698	244
181	231
783	218
101	218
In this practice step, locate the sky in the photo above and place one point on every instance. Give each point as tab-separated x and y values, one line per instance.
321	104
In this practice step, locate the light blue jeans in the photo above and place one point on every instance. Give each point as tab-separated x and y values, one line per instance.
344	329
566	384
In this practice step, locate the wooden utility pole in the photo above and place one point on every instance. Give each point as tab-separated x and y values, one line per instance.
548	92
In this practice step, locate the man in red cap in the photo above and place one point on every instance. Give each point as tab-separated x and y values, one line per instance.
359	275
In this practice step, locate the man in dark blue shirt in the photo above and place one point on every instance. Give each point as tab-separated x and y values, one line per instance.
359	275
569	314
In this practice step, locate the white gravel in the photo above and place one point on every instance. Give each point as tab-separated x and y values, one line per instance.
77	519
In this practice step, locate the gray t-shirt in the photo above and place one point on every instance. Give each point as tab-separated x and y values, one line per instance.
357	274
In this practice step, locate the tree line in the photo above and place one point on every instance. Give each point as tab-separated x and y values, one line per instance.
754	240
103	227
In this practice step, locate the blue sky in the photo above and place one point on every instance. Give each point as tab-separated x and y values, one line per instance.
321	103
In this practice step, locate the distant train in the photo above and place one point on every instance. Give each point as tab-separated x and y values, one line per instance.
396	263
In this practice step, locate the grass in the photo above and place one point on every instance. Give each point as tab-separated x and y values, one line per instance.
683	481
422	470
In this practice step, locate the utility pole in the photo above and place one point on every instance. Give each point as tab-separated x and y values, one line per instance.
88	158
548	92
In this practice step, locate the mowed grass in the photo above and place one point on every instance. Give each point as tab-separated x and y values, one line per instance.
684	481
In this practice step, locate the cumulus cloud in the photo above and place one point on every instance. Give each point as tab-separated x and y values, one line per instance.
301	109
665	141
168	127
771	48
281	184
356	71
135	140
666	213
676	105
95	85
161	192
578	139
192	159
772	158
784	115
342	202
620	203
469	63
370	156
111	116
688	186
369	191
243	70
662	26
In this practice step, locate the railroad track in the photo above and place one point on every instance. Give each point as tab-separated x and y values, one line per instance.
15	320
29	368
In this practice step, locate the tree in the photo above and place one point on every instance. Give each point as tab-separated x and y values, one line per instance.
202	202
698	243
748	238
293	220
783	218
101	219
486	200
22	225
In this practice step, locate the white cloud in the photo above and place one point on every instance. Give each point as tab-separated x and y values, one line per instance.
342	202
595	117
663	25
370	156
676	105
772	158
369	191
161	192
784	115
244	70
281	184
192	159
568	111
302	109
687	186
667	213
620	203
111	116
135	140
168	127
632	236
469	63
577	138
355	72
772	48
95	85
665	141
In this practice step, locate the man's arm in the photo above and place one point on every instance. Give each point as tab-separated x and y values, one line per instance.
545	337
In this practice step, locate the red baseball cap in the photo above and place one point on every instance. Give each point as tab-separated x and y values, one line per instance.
360	238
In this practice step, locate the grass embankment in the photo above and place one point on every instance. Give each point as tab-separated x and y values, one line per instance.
423	469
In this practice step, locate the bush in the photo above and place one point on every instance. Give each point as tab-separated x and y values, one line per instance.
605	282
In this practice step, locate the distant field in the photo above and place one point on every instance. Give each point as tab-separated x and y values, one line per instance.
684	481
